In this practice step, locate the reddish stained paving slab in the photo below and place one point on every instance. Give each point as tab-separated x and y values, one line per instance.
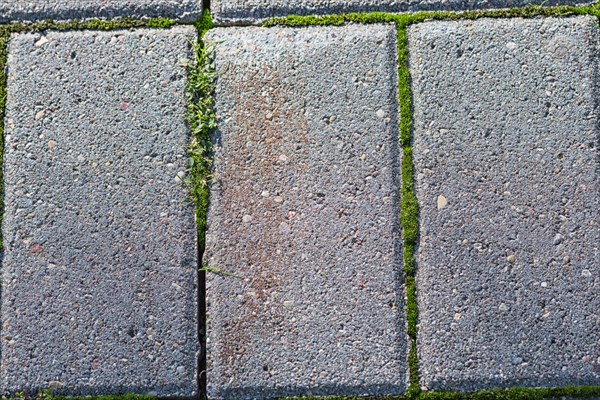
304	215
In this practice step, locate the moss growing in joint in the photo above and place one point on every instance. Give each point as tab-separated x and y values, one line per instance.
414	389
403	20
204	23
95	24
410	207
48	394
202	121
411	306
581	392
409	214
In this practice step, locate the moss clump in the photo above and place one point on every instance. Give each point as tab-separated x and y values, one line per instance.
202	121
404	20
409	214
95	24
411	306
204	23
47	394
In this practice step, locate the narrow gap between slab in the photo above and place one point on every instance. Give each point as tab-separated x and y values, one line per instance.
201	327
4	38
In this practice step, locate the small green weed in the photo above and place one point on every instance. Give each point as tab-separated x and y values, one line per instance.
219	271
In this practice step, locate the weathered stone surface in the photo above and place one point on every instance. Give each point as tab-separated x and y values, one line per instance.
506	130
304	218
227	12
99	277
29	10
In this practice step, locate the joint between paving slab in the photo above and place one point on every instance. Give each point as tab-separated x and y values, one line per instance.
4	38
202	121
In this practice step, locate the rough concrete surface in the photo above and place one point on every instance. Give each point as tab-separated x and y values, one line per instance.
226	12
99	277
304	218
506	156
34	10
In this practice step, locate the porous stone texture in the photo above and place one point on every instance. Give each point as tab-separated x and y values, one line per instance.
506	158
33	10
227	12
304	220
99	276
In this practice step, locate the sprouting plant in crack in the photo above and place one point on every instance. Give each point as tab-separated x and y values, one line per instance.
219	271
537	6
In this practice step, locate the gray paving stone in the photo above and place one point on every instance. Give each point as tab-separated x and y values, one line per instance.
304	213
29	10
506	156
99	290
226	12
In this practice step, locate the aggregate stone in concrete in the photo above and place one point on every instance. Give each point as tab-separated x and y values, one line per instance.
30	10
99	276
226	12
304	217
506	157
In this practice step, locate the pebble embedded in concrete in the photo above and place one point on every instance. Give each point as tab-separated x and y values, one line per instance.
523	165
99	275
318	305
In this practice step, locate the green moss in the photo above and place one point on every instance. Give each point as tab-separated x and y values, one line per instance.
403	20
202	120
409	208
414	389
204	23
517	394
411	306
409	205
47	394
95	24
414	393
160	23
410	264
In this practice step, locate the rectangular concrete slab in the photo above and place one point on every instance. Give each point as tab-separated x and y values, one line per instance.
227	12
303	224
99	276
506	157
60	10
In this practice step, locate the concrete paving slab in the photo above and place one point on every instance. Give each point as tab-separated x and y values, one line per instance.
506	156
60	10
304	215
227	12
99	277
